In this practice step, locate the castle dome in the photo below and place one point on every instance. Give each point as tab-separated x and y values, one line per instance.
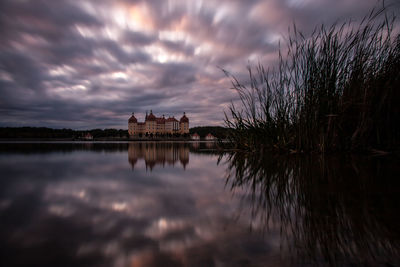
184	118
132	119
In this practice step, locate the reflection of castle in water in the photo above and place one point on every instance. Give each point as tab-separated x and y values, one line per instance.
155	153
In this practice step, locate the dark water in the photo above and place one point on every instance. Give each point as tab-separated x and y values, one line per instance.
185	204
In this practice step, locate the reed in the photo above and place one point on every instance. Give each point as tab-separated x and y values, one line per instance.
336	90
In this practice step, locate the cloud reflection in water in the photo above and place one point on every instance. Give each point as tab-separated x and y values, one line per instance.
82	204
87	207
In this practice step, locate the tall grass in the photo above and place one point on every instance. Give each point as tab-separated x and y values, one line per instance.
337	90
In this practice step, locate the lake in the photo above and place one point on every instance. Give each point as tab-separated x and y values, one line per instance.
188	204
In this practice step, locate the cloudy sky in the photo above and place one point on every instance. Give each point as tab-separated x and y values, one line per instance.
90	63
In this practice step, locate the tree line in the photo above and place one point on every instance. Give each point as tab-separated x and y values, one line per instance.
217	131
44	132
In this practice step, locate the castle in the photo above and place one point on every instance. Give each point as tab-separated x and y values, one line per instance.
158	126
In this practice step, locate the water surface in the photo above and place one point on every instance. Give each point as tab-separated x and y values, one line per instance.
184	204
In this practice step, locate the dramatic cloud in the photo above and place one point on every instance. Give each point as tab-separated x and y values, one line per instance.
86	64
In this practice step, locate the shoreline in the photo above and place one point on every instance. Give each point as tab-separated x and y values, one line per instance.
5	140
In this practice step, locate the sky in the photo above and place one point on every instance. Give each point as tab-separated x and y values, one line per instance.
86	64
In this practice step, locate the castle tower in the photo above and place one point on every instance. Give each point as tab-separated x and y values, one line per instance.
184	124
132	125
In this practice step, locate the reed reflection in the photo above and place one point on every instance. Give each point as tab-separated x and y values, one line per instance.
154	153
333	210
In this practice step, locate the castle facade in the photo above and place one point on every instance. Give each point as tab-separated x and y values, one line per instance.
153	125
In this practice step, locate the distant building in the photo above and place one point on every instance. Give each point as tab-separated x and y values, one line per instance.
195	136
88	136
158	125
210	137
